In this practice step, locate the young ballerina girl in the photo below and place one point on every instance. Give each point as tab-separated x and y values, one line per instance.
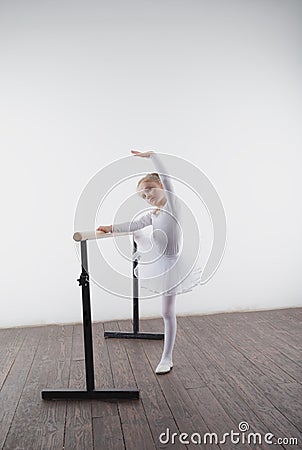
161	275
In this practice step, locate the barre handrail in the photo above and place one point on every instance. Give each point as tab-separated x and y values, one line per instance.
90	235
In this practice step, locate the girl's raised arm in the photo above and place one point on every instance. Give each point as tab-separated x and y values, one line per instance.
162	172
166	180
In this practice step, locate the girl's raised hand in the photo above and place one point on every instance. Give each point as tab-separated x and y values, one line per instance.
142	154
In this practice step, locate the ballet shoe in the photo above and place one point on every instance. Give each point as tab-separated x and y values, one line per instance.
163	367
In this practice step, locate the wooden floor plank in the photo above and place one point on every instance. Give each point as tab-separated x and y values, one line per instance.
107	433
29	425
186	413
10	343
103	373
135	427
294	313
267	335
288	335
13	386
250	381
209	407
249	338
107	429
156	409
57	377
218	379
78	432
255	344
228	368
287	328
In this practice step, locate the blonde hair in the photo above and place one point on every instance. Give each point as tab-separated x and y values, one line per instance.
149	177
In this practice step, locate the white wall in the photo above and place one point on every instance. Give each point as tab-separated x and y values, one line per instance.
215	82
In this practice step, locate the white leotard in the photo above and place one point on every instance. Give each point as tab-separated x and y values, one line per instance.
162	274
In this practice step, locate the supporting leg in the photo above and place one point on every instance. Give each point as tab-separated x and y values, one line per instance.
170	322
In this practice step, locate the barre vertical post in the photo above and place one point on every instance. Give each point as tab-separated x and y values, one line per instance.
135	292
135	334
87	329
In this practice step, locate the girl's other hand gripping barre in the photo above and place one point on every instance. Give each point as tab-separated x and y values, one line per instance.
105	228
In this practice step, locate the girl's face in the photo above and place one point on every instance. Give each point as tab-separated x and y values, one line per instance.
152	192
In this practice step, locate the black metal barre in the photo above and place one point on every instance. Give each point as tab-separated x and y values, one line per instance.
89	392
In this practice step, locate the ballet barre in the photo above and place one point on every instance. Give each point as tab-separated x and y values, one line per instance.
135	334
89	393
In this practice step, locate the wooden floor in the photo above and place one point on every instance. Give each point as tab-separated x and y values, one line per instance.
228	368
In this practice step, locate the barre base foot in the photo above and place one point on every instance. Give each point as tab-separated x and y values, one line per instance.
131	335
58	394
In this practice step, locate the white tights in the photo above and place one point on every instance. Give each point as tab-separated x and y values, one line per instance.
169	316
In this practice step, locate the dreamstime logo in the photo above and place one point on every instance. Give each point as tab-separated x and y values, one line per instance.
241	437
150	246
243	426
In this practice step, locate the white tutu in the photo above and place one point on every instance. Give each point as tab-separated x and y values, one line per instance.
161	273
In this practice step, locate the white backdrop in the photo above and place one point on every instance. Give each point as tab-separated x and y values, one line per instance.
82	82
